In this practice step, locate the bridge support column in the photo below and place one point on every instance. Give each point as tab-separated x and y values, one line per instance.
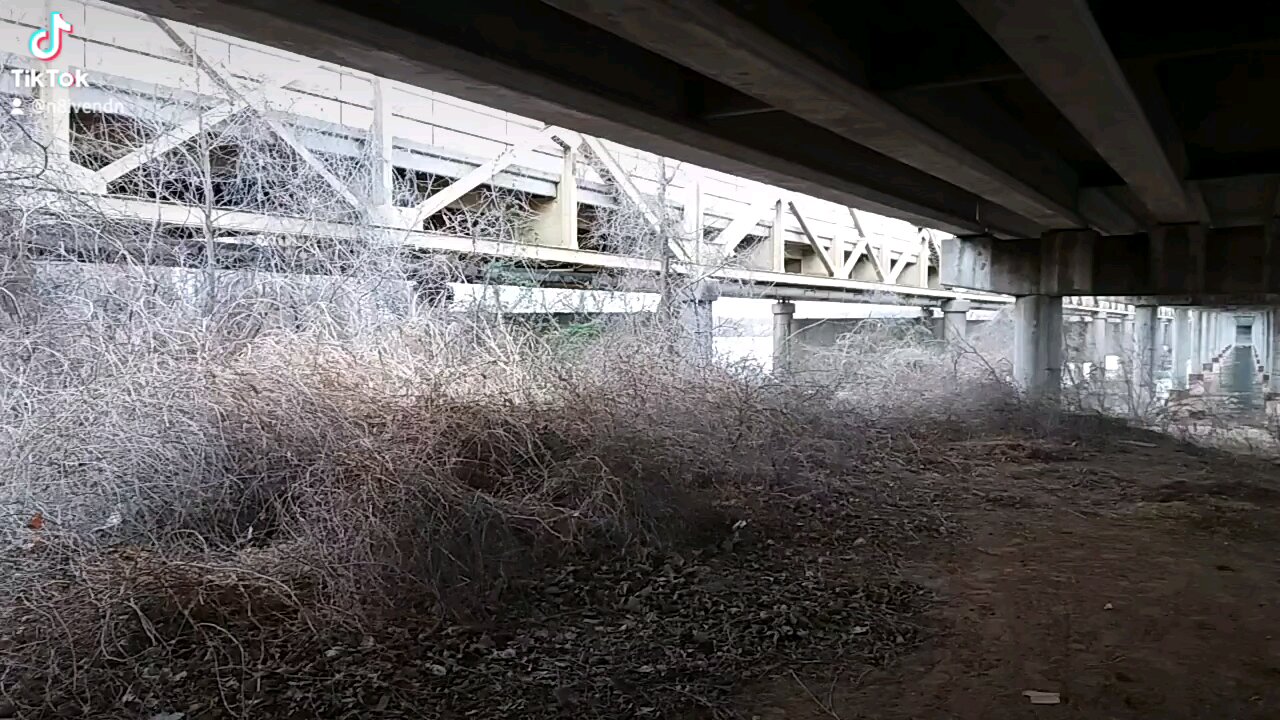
1144	351
1272	389
1098	344
1196	370
784	314
953	326
1262	343
1181	347
1037	346
556	220
1257	346
695	311
1207	341
1269	337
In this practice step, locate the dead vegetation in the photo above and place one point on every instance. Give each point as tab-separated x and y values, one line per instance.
235	492
429	513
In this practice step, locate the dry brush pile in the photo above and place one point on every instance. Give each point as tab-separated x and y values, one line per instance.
425	513
246	494
242	494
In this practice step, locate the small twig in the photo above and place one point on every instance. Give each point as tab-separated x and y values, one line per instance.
825	708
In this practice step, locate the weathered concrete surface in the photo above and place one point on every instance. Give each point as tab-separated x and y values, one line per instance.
1037	345
1182	265
960	138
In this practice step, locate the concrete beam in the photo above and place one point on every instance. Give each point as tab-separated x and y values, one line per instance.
1061	49
1181	264
460	64
711	39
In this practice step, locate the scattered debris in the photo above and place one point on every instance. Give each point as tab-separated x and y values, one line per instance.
1042	698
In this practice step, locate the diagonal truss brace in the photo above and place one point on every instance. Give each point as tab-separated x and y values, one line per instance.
223	80
734	233
821	252
190	127
864	245
481	174
607	165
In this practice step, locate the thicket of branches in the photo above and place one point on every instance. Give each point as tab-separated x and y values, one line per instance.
215	441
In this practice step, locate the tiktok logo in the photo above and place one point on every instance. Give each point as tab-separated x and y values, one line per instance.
47	44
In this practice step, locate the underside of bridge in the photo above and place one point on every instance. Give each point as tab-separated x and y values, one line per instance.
1007	117
1074	147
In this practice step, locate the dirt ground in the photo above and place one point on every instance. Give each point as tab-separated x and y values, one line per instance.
1128	574
1141	580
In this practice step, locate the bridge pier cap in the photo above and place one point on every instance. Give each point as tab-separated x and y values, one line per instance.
1171	264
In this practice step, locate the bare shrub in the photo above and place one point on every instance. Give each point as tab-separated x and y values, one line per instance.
224	447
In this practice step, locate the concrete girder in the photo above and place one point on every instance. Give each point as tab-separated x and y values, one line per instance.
1058	44
1182	264
711	39
447	64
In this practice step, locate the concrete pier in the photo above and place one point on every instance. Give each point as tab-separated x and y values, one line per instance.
1037	346
695	308
1143	353
1181	342
1208	341
953	326
1098	344
1196	369
784	314
1273	381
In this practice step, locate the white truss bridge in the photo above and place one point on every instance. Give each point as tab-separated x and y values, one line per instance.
757	240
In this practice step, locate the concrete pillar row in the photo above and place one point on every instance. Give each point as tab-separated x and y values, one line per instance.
784	314
1037	346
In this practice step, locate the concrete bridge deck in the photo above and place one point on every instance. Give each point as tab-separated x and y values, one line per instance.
442	152
1075	149
1010	117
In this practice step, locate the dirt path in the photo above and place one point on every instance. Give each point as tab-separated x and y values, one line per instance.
1167	606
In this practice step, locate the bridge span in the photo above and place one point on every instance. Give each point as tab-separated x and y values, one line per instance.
1073	148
